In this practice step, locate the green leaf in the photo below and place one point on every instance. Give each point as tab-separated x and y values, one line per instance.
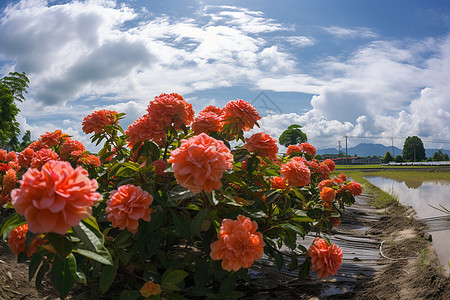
182	224
102	256
34	266
228	284
90	235
61	244
130	295
107	278
296	228
171	278
197	221
123	239
180	193
10	223
63	274
303	273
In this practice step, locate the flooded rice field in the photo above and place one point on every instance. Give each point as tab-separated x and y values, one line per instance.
422	196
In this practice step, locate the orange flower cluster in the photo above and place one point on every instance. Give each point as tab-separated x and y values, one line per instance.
150	289
42	156
127	205
55	198
278	182
199	163
355	188
262	144
8	184
207	122
238	244
51	139
325	259
9	159
308	149
296	172
293	149
98	120
168	109
327	194
16	241
145	128
240	114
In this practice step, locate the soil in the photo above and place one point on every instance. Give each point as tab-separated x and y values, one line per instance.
407	267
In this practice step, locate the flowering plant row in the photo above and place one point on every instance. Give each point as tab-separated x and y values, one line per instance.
167	208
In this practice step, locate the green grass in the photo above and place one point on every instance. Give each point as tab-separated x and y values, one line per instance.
357	167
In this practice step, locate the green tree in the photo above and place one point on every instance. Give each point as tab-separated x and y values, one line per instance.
387	158
292	136
446	156
17	83
12	87
399	159
26	140
9	127
438	156
413	149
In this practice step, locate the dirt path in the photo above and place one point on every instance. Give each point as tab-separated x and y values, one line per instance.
405	268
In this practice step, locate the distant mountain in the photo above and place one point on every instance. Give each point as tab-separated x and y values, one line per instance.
368	149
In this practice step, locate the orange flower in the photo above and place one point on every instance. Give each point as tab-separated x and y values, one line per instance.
343	177
325	183
327	194
37	145
143	129
160	165
69	146
355	188
324	171
337	181
11	156
238	244
213	109
86	159
278	182
262	144
16	241
127	205
207	122
296	172
171	109
335	221
308	149
42	156
331	165
98	120
200	162
51	139
3	155
55	198
150	288
293	149
325	259
25	157
9	182
241	114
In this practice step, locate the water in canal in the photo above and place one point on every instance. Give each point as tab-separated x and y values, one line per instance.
420	195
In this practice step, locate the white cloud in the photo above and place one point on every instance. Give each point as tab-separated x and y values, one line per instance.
300	41
358	32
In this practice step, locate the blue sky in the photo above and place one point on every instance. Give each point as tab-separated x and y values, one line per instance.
367	69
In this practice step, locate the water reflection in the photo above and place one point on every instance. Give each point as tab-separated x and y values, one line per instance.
420	195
